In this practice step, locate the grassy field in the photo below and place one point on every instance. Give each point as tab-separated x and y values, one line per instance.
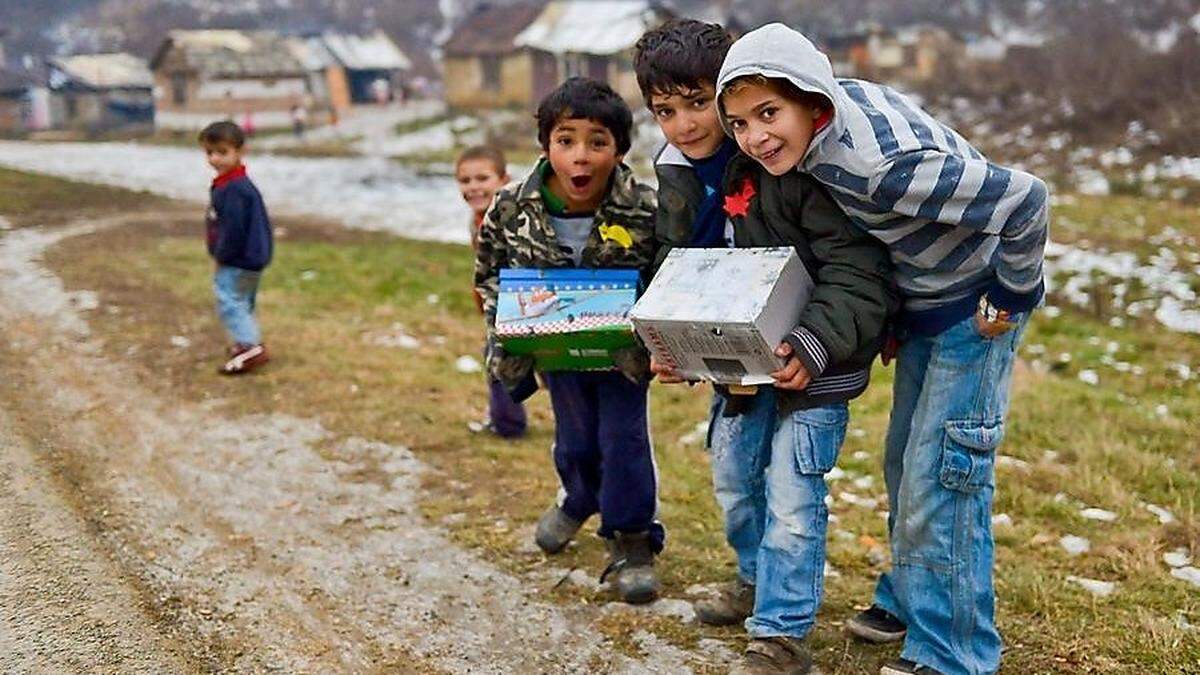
332	296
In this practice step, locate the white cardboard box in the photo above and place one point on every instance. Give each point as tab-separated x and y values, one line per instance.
718	314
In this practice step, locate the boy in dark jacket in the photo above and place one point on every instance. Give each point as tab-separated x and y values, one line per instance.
770	446
581	207
677	66
967	238
778	496
239	239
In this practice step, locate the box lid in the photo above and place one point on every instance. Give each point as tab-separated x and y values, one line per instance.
714	284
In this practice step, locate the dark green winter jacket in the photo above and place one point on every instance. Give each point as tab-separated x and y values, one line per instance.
842	327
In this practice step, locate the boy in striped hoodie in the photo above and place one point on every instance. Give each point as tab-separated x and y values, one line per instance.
967	238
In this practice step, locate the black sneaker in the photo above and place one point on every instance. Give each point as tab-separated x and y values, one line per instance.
877	625
906	667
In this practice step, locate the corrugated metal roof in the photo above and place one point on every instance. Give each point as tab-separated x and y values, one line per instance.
103	71
231	53
598	27
492	29
366	52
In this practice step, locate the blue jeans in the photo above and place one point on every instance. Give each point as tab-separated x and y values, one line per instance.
236	289
769	479
949	402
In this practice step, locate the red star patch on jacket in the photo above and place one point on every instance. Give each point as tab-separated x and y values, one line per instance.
738	204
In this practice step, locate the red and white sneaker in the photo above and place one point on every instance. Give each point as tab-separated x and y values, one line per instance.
244	359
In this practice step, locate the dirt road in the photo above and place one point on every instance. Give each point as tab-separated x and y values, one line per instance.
144	535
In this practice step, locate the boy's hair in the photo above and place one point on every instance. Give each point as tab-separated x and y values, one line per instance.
223	132
584	98
679	56
781	86
488	152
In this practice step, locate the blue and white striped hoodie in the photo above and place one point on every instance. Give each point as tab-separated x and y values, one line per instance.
956	225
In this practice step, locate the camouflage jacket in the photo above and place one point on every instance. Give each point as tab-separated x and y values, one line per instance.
516	232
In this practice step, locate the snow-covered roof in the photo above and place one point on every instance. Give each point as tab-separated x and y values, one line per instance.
311	52
103	71
233	53
366	52
597	27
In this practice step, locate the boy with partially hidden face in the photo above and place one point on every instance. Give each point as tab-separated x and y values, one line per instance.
240	241
480	172
581	207
772	446
967	239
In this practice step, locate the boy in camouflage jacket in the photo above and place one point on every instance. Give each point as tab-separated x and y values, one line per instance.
582	207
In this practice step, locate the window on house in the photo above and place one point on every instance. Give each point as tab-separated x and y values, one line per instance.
491	72
179	88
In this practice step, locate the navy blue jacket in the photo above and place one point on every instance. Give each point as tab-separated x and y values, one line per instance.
239	231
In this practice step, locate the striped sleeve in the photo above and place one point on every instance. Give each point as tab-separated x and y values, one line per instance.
976	194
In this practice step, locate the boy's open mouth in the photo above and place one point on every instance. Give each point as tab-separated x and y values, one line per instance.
580	182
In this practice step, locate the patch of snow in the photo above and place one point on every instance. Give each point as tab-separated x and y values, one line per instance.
1187	573
468	364
1098	514
369	193
1094	586
1089	377
180	341
1075	545
1164	516
1002	520
1177	558
696	435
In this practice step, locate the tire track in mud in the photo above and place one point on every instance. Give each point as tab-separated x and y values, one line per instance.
265	542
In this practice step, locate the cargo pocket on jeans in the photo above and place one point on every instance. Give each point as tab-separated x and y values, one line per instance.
818	438
968	454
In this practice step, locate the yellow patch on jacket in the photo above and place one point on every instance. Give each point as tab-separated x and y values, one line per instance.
616	233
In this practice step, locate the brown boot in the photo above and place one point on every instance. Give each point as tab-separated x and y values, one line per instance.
774	656
734	604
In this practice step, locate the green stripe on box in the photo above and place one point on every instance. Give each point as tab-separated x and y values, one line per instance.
581	350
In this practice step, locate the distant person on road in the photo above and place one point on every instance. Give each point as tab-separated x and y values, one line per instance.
239	240
581	207
299	119
481	171
967	238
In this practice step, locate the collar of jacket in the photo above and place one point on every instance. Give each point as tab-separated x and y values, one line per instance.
620	192
229	176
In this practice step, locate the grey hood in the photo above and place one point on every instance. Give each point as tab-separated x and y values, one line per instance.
776	51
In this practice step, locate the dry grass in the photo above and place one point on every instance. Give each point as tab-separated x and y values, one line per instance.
1110	446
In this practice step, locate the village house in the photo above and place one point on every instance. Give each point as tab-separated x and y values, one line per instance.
512	56
102	92
908	54
482	66
345	69
251	77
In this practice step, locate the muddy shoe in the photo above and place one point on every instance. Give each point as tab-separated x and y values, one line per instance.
733	605
906	667
631	566
877	625
555	529
774	656
244	359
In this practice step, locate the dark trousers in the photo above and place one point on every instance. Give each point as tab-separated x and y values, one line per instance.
602	452
506	416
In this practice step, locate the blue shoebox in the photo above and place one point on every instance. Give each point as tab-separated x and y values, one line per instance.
567	319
